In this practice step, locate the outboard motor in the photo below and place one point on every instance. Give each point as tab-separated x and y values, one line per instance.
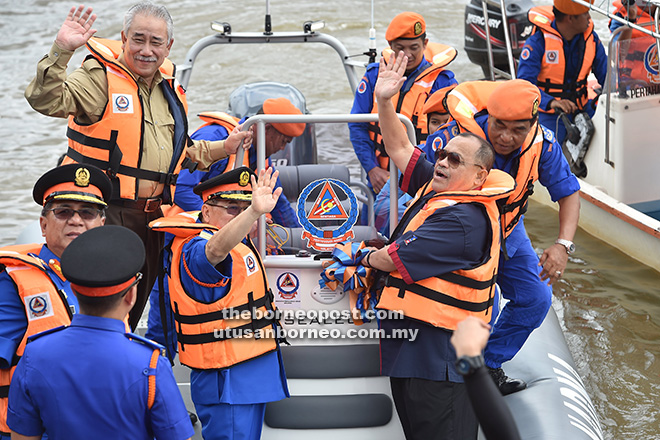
520	29
247	99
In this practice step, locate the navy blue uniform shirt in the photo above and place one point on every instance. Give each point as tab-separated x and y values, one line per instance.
90	381
452	238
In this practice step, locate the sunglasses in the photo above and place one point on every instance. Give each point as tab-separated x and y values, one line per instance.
232	210
453	159
65	214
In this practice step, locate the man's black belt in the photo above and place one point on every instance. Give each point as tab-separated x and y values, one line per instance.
146	205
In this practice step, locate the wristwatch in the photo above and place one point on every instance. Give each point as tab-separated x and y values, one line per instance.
569	245
467	365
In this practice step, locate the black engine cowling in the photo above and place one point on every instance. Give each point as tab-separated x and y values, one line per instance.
475	35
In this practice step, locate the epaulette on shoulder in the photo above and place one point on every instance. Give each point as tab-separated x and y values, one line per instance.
372	66
548	135
46	332
153	345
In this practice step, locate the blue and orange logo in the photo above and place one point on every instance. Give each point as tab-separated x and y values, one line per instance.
38	306
329	208
288	285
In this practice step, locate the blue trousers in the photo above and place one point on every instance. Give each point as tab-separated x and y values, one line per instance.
529	302
155	325
222	421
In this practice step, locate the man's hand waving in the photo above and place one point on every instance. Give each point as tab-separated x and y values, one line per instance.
76	29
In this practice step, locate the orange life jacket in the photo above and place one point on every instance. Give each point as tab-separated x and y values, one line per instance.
410	102
46	307
203	339
446	299
115	143
552	78
229	122
470	98
218	118
643	18
639	55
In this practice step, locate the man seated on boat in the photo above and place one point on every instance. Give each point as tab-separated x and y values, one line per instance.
426	73
558	58
92	379
218	126
505	114
127	115
217	275
637	51
437	115
34	296
441	265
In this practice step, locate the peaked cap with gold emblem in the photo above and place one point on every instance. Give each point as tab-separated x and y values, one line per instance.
232	185
76	182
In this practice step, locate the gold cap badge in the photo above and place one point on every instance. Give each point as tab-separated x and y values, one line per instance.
418	28
82	177
244	179
535	107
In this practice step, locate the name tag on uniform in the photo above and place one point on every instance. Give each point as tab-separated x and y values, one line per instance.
122	103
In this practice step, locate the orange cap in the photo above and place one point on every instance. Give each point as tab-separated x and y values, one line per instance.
282	106
514	100
406	25
569	7
436	102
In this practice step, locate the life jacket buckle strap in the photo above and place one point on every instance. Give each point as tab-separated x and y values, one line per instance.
189	165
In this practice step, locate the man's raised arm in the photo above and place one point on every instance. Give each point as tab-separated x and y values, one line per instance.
390	80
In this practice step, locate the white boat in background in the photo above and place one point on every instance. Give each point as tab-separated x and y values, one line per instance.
620	193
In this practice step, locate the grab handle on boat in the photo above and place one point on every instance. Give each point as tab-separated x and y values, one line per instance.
572	132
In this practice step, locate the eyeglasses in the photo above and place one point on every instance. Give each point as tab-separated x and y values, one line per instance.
65	214
454	159
138	277
232	210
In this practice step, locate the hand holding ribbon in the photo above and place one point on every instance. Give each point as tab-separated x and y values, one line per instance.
355	279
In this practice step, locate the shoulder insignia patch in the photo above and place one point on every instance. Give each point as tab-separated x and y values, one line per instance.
548	135
362	87
525	53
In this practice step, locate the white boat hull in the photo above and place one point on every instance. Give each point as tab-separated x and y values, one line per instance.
617	224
